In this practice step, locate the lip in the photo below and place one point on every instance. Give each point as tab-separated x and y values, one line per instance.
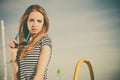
34	29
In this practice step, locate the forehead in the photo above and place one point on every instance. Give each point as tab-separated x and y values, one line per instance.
36	15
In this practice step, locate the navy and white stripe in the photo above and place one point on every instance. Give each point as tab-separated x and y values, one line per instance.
27	68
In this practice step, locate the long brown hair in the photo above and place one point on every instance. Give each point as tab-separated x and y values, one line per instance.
24	29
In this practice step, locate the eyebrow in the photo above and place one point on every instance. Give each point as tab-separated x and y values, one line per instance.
37	19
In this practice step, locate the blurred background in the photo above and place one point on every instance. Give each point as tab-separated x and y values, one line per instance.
79	29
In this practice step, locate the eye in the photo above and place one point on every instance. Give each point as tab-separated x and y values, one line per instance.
39	21
31	20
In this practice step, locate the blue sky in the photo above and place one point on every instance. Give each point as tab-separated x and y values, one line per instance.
78	28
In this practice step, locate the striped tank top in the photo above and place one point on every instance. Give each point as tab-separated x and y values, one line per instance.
27	68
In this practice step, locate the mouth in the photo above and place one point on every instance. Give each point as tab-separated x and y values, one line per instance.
34	30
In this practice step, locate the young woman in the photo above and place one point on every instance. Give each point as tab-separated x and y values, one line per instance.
31	49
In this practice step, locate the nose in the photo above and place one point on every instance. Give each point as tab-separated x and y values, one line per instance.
35	23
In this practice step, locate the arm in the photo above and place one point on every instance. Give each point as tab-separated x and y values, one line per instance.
13	53
42	63
15	70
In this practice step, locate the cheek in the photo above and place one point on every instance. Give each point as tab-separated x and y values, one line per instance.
29	26
40	27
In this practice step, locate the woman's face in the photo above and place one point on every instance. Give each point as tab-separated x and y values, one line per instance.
35	22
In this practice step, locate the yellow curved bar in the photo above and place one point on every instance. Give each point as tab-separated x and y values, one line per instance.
78	65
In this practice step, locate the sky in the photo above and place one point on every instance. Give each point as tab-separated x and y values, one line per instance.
79	29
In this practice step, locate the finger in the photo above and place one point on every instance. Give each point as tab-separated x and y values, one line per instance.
14	41
11	45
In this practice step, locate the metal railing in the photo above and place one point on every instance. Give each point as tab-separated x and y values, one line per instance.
4	50
78	65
